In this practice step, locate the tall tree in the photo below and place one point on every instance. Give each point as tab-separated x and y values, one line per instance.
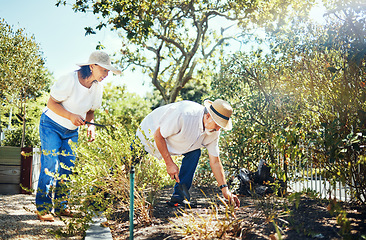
173	40
23	75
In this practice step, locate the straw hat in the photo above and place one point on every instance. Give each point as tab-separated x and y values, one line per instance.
220	111
102	59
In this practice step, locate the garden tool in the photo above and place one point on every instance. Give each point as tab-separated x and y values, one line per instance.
97	124
183	191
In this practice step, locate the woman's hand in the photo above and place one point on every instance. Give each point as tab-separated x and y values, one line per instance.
91	133
77	120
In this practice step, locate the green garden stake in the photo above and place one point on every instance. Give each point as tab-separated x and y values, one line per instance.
132	180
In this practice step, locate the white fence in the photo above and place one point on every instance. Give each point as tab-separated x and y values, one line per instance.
36	167
322	187
308	178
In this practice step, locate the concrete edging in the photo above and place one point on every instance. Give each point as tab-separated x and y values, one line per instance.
97	231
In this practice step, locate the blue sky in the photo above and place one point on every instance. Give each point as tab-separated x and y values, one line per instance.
61	36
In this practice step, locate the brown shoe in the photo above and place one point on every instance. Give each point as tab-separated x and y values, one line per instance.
45	217
66	213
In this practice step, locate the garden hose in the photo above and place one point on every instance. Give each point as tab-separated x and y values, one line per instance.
132	180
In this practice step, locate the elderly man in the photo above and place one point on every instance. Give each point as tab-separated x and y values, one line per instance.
183	128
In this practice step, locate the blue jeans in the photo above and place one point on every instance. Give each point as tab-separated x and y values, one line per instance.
54	141
186	171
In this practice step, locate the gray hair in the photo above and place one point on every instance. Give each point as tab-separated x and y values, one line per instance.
205	111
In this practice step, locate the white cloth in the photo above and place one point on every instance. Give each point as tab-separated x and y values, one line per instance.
181	124
75	98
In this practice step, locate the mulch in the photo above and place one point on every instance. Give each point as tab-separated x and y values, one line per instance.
255	219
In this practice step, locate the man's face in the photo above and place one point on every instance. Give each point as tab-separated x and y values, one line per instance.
210	125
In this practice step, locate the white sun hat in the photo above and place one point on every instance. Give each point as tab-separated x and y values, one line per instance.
101	59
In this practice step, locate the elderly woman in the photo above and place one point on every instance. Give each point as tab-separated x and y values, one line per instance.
72	101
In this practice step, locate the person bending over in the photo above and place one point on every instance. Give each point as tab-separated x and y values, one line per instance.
183	128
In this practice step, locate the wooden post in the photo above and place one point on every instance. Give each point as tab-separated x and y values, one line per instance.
26	170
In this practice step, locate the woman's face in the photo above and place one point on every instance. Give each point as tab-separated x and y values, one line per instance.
98	72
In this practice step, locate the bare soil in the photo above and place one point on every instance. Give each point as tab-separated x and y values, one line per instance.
253	220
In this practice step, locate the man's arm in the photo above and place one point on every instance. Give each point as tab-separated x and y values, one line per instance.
171	167
219	174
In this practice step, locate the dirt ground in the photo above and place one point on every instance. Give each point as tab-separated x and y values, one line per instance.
253	220
18	220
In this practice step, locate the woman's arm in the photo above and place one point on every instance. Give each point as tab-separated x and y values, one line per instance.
57	108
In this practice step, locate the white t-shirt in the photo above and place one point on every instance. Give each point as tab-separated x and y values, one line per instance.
181	124
75	98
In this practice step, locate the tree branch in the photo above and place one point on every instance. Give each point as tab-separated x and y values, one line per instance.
155	81
169	40
220	42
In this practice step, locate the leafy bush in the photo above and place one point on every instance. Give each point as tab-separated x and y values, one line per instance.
14	137
300	102
101	177
120	106
265	117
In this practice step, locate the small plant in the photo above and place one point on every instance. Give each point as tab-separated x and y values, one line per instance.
295	198
273	208
311	193
279	236
210	225
335	209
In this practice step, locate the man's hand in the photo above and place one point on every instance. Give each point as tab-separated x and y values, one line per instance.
171	167
173	171
218	172
233	199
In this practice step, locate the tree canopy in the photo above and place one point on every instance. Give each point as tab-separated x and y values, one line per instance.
176	41
23	75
